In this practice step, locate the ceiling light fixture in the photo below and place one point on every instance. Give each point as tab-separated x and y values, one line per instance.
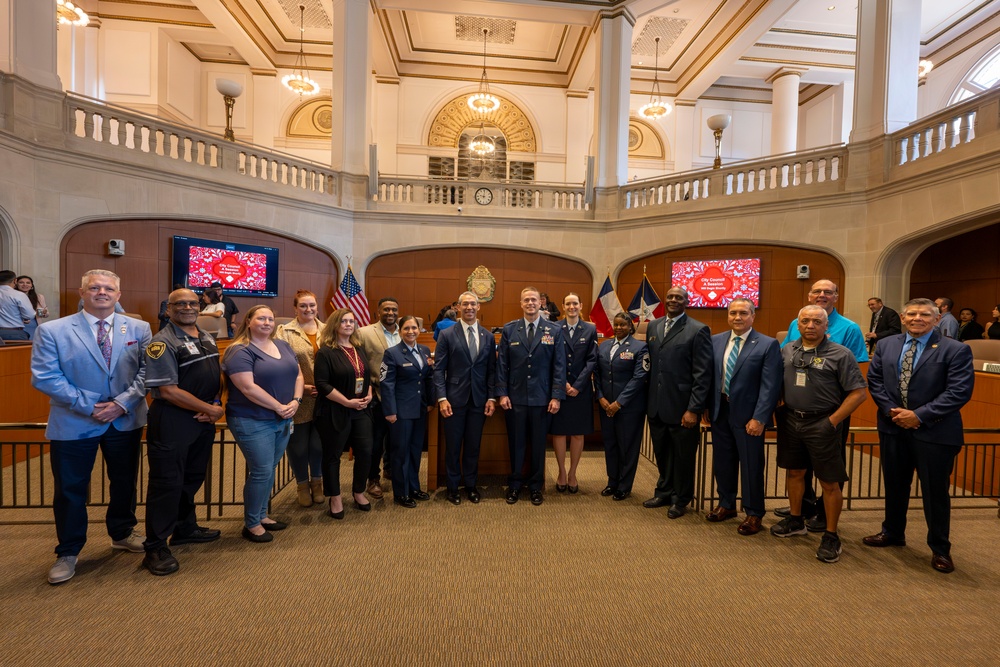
481	144
297	81
656	107
69	14
484	102
924	68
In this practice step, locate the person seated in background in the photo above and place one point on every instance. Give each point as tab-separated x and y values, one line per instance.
968	327
163	316
212	305
231	309
15	309
443	312
27	285
992	330
450	318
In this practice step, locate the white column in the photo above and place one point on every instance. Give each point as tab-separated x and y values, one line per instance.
684	134
784	110
265	107
387	123
578	110
28	41
885	71
349	87
611	98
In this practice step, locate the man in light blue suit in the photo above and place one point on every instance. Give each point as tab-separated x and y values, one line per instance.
92	366
748	370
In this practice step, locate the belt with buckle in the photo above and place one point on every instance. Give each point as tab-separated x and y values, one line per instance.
811	415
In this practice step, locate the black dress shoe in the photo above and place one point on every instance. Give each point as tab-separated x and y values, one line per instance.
336	515
512	495
454	498
942	563
405	501
561	488
274	525
621	495
366	507
473	494
265	537
655	502
160	562
783	512
574	489
675	512
536	498
420	495
196	536
882	539
607	491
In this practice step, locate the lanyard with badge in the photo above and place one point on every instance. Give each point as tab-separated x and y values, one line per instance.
359	375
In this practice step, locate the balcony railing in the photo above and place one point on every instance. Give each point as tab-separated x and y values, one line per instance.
406	192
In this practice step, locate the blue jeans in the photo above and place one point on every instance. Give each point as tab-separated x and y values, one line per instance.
263	443
305	452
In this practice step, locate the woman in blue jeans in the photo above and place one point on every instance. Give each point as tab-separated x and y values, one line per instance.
264	386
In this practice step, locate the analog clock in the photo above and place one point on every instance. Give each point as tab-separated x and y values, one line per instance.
484	196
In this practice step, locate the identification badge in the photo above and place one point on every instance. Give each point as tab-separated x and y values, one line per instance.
514	342
407	364
359	384
192	348
800	378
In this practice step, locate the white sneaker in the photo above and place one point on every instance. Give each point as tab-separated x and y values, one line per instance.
131	543
63	570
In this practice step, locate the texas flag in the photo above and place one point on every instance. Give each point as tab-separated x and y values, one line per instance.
645	304
605	309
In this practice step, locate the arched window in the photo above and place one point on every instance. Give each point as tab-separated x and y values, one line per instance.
983	76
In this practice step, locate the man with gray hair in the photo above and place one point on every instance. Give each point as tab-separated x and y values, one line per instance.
822	386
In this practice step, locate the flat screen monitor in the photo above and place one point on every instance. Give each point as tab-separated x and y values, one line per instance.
245	270
714	283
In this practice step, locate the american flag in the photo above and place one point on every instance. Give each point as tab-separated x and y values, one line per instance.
350	295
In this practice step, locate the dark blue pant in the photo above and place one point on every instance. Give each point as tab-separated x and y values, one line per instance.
464	427
622	435
72	463
736	455
676	450
527	430
178	449
901	455
406	440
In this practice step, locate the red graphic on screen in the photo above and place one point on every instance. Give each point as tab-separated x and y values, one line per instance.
715	283
235	270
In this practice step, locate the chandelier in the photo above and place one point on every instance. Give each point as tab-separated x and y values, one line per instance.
297	81
484	102
656	107
69	14
481	144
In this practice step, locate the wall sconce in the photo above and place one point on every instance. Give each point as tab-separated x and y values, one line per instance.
717	124
229	90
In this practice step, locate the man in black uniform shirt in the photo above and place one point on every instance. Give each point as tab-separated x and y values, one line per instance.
231	309
182	373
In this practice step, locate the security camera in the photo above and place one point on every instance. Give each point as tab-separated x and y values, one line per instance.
802	271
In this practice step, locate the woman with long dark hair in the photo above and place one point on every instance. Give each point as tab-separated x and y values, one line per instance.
27	285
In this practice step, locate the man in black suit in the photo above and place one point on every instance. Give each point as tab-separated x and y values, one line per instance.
531	383
885	322
919	382
464	375
680	383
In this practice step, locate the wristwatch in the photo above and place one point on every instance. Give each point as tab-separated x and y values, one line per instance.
297	398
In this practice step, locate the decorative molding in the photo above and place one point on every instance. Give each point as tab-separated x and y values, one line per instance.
455	116
312	119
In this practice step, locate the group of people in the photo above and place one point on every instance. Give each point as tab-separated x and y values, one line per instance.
21	306
885	322
318	389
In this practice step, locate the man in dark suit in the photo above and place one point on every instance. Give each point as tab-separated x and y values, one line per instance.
464	375
885	322
92	365
919	382
748	367
531	383
680	382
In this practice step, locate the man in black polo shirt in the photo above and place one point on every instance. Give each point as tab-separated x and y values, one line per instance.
182	373
822	386
230	305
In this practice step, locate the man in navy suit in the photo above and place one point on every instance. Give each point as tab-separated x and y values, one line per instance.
531	383
93	367
748	368
464	374
680	381
920	380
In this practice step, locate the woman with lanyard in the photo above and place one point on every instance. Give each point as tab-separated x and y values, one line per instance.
407	382
343	413
575	418
622	365
305	452
264	386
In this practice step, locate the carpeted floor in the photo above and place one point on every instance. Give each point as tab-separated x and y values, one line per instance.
580	580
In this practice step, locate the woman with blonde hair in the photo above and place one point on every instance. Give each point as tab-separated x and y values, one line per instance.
264	385
305	451
343	410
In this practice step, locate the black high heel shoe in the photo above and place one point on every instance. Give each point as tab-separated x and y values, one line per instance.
364	508
336	515
561	488
574	489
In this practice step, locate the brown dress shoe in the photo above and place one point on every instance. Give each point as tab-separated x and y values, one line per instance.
883	540
721	513
304	494
316	486
942	564
374	489
750	526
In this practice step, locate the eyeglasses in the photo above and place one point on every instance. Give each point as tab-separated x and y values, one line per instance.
828	292
184	304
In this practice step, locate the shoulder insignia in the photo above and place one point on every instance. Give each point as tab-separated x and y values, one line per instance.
156	349
383	371
645	362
